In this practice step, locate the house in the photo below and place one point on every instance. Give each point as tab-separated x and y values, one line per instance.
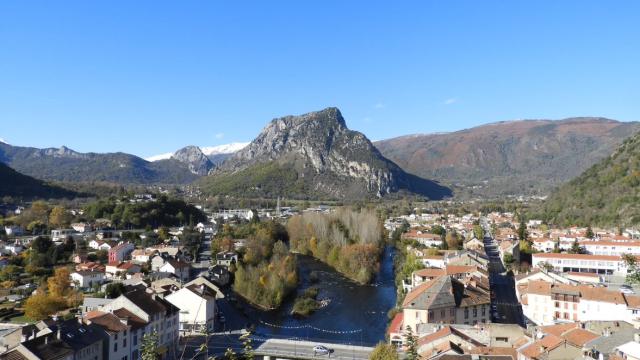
120	252
13	248
565	341
509	247
101	244
157	262
219	275
611	247
121	268
547	303
201	280
115	333
446	300
178	268
13	230
629	351
146	313
197	304
59	235
423	275
64	340
226	258
81	227
86	279
474	244
142	256
424	238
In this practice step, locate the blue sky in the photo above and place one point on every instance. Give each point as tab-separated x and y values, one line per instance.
148	77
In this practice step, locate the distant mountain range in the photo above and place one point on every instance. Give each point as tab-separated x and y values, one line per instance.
64	164
514	157
14	184
314	156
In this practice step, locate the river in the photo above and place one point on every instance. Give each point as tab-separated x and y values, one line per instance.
355	314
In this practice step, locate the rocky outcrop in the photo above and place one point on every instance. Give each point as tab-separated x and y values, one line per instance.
328	158
197	162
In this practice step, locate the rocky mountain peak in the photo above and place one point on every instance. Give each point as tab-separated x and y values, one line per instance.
322	154
197	162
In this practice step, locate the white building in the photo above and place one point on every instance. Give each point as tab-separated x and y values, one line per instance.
197	304
87	279
600	264
147	314
611	248
546	303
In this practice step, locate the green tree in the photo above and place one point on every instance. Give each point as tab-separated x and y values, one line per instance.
247	348
523	234
576	248
114	290
384	351
148	348
412	344
478	232
633	272
230	354
590	234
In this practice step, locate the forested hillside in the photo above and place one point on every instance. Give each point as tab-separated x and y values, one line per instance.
608	193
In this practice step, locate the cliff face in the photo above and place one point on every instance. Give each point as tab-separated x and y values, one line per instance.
328	159
197	162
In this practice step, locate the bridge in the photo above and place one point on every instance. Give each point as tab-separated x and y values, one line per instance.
296	349
268	348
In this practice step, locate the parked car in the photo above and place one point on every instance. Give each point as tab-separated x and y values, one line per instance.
626	289
321	350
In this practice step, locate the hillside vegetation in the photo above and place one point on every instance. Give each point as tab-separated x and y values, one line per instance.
606	194
514	157
17	185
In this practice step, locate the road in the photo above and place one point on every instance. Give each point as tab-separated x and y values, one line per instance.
276	348
304	350
503	288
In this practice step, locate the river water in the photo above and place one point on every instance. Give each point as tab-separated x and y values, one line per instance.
355	314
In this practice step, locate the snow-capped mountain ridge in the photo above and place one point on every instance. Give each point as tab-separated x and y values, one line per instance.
212	152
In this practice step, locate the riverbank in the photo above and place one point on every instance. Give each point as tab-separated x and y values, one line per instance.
354	313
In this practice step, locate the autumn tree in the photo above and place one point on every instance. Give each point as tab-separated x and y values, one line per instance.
453	240
41	305
633	272
59	217
384	351
59	285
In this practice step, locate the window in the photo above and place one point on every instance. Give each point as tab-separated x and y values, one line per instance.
442	312
115	347
124	342
430	314
484	310
466	313
557	304
452	312
502	339
135	339
475	312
